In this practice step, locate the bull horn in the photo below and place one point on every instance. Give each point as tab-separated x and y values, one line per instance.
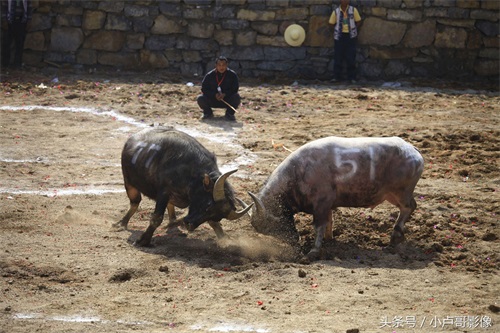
244	205
218	192
261	210
234	215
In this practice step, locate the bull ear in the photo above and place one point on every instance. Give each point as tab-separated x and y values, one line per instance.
207	182
218	193
233	215
261	210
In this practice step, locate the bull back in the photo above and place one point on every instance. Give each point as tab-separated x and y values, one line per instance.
167	159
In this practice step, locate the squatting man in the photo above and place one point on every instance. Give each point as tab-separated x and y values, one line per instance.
220	90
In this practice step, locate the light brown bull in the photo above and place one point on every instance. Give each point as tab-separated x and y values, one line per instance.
338	172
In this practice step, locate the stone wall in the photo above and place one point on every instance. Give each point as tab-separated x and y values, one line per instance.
398	38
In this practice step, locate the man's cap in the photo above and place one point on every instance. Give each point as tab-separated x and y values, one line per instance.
295	35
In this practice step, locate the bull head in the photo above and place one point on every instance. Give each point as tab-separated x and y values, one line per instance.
219	195
281	226
259	206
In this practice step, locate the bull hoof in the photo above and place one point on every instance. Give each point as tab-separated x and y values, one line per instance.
174	224
313	255
391	249
222	237
118	227
141	242
175	231
397	238
304	260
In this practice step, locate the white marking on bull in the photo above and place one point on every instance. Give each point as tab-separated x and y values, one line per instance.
155	148
372	163
341	163
140	147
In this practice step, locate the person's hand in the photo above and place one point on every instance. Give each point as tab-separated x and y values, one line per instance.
220	96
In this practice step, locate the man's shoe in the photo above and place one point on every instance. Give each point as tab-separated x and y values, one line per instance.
207	116
230	117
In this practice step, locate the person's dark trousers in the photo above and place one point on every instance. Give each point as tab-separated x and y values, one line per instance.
206	104
17	33
345	50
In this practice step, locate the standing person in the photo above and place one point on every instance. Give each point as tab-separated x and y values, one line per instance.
346	20
16	14
219	88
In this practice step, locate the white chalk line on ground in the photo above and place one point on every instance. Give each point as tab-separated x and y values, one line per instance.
59	192
245	156
220	326
76	319
94	111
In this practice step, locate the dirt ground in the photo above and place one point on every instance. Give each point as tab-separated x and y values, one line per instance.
62	268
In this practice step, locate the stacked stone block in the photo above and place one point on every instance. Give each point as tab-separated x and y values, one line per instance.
398	38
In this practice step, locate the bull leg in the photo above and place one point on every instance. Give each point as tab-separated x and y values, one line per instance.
154	222
329	227
398	236
321	222
135	198
171	213
172	219
217	228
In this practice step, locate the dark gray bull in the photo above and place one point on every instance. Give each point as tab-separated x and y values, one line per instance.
338	172
174	169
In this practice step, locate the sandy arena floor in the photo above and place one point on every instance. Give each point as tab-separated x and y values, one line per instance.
64	270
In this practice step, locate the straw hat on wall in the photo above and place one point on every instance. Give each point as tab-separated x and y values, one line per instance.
295	35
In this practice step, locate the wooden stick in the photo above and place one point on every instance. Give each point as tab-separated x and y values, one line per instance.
52	63
280	145
229	105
